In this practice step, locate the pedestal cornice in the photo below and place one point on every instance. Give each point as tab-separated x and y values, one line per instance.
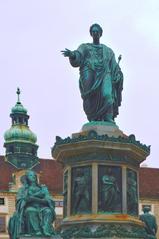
123	148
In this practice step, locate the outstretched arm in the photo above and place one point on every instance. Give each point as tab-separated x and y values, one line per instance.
75	57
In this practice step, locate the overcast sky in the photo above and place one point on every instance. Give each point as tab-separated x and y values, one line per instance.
32	34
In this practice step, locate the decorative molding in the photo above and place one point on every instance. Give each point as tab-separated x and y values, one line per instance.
92	135
105	231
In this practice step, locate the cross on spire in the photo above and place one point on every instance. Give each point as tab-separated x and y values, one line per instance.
18	94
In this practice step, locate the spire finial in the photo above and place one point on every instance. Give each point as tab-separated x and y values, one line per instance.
18	93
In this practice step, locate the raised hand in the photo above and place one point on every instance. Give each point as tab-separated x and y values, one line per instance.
68	53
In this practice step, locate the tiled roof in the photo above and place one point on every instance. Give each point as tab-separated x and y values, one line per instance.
6	170
51	174
149	183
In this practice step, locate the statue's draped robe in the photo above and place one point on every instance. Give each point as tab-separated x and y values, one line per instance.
28	218
101	80
132	197
81	194
109	192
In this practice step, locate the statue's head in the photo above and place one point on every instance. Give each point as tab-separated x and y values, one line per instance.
95	27
146	209
31	176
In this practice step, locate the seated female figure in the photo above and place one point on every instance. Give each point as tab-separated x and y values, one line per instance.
35	209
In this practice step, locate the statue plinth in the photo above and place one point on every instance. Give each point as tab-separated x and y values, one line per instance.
102	128
101	193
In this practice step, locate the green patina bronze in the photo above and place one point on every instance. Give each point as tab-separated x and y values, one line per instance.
114	163
112	230
35	210
150	222
109	183
101	79
81	190
92	135
132	194
20	141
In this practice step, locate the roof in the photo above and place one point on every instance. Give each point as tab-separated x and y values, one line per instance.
50	171
6	170
149	183
51	174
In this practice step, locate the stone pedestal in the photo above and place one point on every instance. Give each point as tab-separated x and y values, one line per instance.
101	190
102	128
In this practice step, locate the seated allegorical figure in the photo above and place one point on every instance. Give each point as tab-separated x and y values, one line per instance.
35	209
150	222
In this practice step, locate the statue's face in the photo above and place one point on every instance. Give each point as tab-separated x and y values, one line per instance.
95	33
31	176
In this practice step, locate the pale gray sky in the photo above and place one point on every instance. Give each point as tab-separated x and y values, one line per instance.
33	32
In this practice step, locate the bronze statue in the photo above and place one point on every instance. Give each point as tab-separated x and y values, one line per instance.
110	191
150	221
35	209
101	79
80	192
132	197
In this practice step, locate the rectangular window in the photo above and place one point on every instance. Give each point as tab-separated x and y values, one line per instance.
61	203
2	224
2	201
58	203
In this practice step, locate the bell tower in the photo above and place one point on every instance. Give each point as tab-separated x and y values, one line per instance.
20	141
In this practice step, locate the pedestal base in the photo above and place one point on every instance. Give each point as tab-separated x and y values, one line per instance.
114	237
100	155
35	237
91	230
42	237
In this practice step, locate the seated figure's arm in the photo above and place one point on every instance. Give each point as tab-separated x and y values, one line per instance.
36	199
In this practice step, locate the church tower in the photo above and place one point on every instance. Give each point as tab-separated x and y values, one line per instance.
20	141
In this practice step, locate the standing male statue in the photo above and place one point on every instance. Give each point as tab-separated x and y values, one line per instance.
101	79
